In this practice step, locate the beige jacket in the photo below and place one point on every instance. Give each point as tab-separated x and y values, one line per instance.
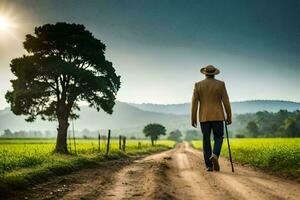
210	93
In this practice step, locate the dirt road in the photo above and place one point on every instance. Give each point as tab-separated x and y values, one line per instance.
175	174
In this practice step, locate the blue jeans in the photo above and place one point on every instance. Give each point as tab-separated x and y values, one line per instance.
218	131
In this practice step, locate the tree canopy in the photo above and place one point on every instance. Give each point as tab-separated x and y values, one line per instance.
269	124
154	131
64	64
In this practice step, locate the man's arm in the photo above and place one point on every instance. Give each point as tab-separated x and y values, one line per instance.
195	101
226	103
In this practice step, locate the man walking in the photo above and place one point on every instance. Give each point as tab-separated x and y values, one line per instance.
211	93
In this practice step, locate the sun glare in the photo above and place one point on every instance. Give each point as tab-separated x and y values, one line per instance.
4	24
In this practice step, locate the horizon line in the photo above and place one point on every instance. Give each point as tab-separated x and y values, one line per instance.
164	104
235	101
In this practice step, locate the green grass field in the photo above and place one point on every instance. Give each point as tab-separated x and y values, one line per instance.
280	155
23	159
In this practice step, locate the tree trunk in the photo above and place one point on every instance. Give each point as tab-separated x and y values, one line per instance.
152	142
61	140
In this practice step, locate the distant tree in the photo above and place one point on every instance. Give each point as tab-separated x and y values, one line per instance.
48	134
37	134
240	135
191	135
175	135
291	129
103	137
252	128
154	131
7	133
22	134
85	137
281	116
264	121
133	138
297	118
86	132
65	64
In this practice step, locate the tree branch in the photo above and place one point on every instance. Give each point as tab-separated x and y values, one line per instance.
87	66
57	93
53	87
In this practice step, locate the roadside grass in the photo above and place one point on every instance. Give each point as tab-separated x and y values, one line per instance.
27	161
277	155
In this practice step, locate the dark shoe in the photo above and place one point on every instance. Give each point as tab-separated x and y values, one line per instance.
209	169
215	162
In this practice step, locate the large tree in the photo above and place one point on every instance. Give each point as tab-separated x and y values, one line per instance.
291	129
65	64
252	128
154	131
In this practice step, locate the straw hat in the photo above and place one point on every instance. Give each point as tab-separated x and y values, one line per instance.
209	70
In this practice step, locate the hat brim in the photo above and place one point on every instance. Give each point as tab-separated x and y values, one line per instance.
217	71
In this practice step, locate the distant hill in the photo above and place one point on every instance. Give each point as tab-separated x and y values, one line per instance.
177	109
125	117
129	119
237	107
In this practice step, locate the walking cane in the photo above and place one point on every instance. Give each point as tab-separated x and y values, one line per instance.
232	169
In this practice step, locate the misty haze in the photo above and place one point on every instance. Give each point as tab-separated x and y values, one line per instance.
149	99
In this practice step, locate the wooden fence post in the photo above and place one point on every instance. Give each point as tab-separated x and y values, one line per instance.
99	142
120	142
124	143
108	141
70	141
74	137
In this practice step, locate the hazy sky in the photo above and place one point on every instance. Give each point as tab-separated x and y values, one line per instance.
159	46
